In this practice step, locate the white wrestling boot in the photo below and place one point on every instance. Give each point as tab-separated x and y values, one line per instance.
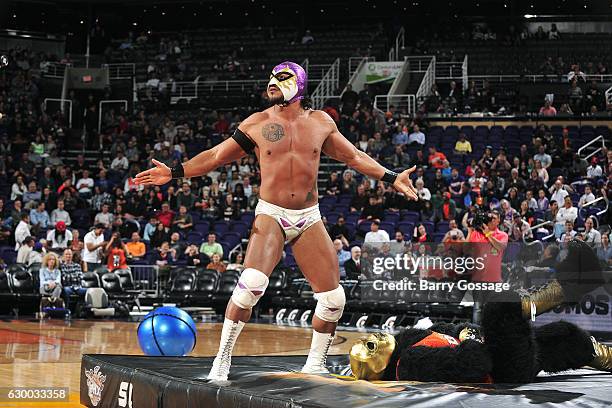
221	365
317	357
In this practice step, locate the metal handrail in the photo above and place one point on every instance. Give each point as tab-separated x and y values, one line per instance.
598	138
61	100
428	79
464	72
598	199
120	70
608	94
388	99
540	225
328	85
535	78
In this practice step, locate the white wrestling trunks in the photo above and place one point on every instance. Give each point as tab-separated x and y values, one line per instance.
293	222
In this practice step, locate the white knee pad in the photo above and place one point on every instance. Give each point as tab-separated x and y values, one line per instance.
251	286
330	304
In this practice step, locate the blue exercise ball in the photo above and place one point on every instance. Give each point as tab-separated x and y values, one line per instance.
167	331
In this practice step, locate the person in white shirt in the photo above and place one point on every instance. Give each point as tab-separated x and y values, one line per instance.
94	247
59	237
591	235
543	157
422	191
376	234
594	170
587	197
105	217
60	214
120	163
568	232
559	193
23	254
568	212
416	136
85	185
22	231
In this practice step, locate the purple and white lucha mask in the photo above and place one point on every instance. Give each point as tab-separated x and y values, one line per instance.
293	86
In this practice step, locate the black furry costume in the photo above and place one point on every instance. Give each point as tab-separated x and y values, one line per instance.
511	350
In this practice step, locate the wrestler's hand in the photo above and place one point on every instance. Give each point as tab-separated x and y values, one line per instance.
403	184
158	175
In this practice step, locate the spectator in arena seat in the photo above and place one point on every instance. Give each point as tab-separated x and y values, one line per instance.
72	274
85	185
422	191
420	234
401	137
136	248
548	109
104	217
453	234
159	235
604	251
568	231
343	256
94	244
18	189
445	210
39	218
349	100
333	184
120	163
373	210
455	183
31	196
575	96
436	158
211	246
217	264
590	234
578	167
237	264
23	254
553	34
166	215
463	146
176	244
543	202
544	158
567	212
594	170
558	192
353	267
376	234
60	214
576	74
59	238
26	166
416	137
520	230
419	160
359	200
183	222
50	277
588	196
340	231
116	253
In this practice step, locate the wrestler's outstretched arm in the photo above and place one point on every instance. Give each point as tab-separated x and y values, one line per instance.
339	148
206	161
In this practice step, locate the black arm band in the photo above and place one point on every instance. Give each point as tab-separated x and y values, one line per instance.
177	171
389	176
244	141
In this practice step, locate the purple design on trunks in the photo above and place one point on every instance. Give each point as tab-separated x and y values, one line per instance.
285	223
301	223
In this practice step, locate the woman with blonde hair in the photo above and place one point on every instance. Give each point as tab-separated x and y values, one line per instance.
50	277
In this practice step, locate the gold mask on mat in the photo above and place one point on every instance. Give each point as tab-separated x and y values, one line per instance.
370	356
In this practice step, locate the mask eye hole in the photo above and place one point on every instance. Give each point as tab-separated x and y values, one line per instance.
370	345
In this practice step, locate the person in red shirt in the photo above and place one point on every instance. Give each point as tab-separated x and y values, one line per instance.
117	253
221	125
166	215
490	244
436	158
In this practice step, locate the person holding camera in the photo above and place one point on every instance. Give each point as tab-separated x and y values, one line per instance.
490	245
116	253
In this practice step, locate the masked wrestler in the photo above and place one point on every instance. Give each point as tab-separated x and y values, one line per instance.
288	139
509	350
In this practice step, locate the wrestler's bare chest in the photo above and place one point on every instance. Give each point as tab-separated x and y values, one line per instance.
279	139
